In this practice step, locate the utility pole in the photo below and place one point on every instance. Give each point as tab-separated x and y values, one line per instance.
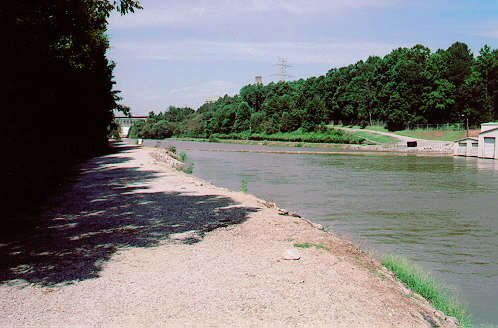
467	126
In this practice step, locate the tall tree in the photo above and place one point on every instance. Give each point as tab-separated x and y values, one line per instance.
58	85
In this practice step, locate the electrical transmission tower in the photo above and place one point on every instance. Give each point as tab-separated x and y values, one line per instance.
282	63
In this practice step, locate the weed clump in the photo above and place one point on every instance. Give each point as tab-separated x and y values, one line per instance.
189	169
243	186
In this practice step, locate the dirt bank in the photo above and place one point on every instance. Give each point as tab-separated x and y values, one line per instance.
135	243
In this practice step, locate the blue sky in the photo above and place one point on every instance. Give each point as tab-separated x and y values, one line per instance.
179	52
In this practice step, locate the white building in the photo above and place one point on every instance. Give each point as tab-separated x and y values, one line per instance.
466	147
488	145
484	146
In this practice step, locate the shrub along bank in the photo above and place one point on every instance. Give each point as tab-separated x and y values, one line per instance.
328	136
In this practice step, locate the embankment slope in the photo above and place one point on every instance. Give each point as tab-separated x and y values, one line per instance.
154	247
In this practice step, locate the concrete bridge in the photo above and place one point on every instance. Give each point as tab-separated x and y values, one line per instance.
126	122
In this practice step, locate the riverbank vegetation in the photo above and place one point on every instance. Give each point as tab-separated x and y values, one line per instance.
407	87
59	89
324	136
426	286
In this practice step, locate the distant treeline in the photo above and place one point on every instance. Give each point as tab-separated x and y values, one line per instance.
406	87
58	86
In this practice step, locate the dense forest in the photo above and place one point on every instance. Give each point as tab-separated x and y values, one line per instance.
59	89
406	87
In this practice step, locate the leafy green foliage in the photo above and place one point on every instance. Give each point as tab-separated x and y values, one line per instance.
114	131
163	125
406	87
58	85
327	136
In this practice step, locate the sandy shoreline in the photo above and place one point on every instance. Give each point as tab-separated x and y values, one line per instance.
136	243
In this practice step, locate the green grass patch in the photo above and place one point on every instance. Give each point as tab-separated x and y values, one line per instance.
443	134
303	245
432	134
429	134
425	285
243	186
321	246
376	138
309	245
182	157
189	169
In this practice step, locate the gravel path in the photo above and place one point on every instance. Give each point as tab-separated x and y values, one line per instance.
135	243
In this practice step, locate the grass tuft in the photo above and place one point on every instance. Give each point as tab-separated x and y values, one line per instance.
426	286
189	169
303	245
321	246
243	186
309	245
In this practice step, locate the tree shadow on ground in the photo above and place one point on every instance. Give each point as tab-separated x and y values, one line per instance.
106	209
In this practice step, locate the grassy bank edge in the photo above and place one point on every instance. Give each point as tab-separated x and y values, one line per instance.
426	134
322	145
414	278
428	287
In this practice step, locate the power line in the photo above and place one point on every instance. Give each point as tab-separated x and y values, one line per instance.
282	63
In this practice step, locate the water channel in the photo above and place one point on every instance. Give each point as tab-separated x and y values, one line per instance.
440	212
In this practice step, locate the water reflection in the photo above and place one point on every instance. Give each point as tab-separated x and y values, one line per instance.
438	211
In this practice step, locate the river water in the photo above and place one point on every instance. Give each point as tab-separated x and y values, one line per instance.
440	212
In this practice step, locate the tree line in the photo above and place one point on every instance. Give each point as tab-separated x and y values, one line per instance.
59	88
408	86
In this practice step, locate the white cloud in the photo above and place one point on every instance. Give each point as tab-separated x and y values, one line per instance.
196	12
492	33
330	53
216	88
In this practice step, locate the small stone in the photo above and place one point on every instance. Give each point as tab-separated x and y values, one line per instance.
439	314
291	254
283	211
332	272
453	321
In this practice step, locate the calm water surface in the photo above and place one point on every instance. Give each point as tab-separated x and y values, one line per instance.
440	212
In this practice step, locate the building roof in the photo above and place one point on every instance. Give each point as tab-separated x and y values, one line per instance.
490	130
471	138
